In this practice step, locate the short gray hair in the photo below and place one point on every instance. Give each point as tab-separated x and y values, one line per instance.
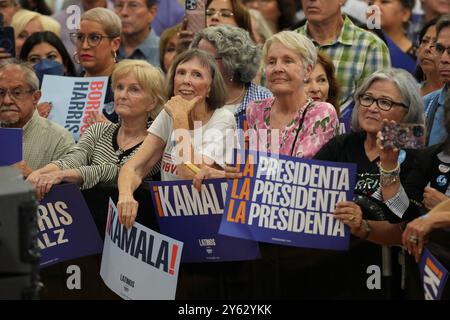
406	85
108	19
296	42
26	68
241	57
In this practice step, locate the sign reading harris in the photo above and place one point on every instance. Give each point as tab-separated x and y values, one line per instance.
73	101
66	228
289	201
433	274
10	146
139	263
194	218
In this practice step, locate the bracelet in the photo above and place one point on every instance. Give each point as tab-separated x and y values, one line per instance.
384	171
367	228
388	177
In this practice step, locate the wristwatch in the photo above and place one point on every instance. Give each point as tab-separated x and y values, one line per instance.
367	229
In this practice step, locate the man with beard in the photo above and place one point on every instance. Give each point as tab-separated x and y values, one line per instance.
42	140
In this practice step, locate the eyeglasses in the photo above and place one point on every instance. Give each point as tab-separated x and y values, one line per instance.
93	39
224	13
15	93
439	49
383	103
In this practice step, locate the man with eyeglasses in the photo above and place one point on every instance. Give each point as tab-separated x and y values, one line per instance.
139	40
434	102
66	20
356	53
42	140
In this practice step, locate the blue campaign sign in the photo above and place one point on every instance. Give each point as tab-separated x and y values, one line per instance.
433	274
288	201
66	228
194	218
10	146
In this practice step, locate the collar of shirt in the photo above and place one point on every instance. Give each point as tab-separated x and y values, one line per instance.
145	48
443	95
345	37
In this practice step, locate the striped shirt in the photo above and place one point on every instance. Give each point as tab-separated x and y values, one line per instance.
356	54
44	141
95	158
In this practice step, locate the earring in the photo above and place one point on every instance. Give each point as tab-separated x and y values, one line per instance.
75	57
115	56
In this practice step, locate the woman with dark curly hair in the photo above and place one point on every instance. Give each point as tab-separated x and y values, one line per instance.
238	58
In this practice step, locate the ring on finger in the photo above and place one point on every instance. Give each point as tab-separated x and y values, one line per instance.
352	218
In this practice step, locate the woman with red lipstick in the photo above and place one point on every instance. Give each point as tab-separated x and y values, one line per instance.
427	73
322	84
96	43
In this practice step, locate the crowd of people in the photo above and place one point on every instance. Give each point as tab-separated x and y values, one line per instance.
312	71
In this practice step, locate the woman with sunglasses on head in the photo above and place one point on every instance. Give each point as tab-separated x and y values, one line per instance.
96	43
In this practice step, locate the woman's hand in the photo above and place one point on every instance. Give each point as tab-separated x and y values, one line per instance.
4	54
185	37
127	207
44	182
388	156
44	108
179	108
206	173
432	197
415	235
350	214
232	172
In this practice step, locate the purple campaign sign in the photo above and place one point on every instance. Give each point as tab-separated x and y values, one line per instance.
288	201
66	228
10	146
433	274
193	218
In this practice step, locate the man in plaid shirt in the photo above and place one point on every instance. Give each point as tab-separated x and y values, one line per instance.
356	53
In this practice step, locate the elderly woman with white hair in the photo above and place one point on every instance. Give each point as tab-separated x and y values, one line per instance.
238	58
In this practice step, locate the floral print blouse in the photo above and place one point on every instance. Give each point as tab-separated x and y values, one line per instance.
320	124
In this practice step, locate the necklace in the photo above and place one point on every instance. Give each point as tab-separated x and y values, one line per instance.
238	98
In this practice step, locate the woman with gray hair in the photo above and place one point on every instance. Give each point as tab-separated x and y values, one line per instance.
238	58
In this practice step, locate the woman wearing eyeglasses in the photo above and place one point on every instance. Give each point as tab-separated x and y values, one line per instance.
390	95
96	44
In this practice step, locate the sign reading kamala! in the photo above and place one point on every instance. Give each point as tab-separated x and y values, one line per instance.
10	146
139	263
289	201
66	228
194	218
74	100
433	274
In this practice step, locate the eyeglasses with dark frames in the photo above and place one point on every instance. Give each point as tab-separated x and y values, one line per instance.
439	49
93	39
15	93
384	104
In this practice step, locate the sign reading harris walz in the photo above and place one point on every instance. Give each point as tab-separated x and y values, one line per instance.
433	274
73	101
288	201
194	217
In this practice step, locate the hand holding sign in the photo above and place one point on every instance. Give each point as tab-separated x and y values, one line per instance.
127	207
415	235
44	182
349	213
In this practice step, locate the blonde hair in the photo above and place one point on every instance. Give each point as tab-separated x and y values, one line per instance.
149	78
296	42
22	17
108	19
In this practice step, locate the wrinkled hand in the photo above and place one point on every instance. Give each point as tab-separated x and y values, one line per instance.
206	173
388	156
415	236
44	108
350	214
95	117
179	108
23	167
44	182
432	197
232	172
127	207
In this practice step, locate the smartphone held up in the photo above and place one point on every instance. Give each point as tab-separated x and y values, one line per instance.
195	15
403	135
